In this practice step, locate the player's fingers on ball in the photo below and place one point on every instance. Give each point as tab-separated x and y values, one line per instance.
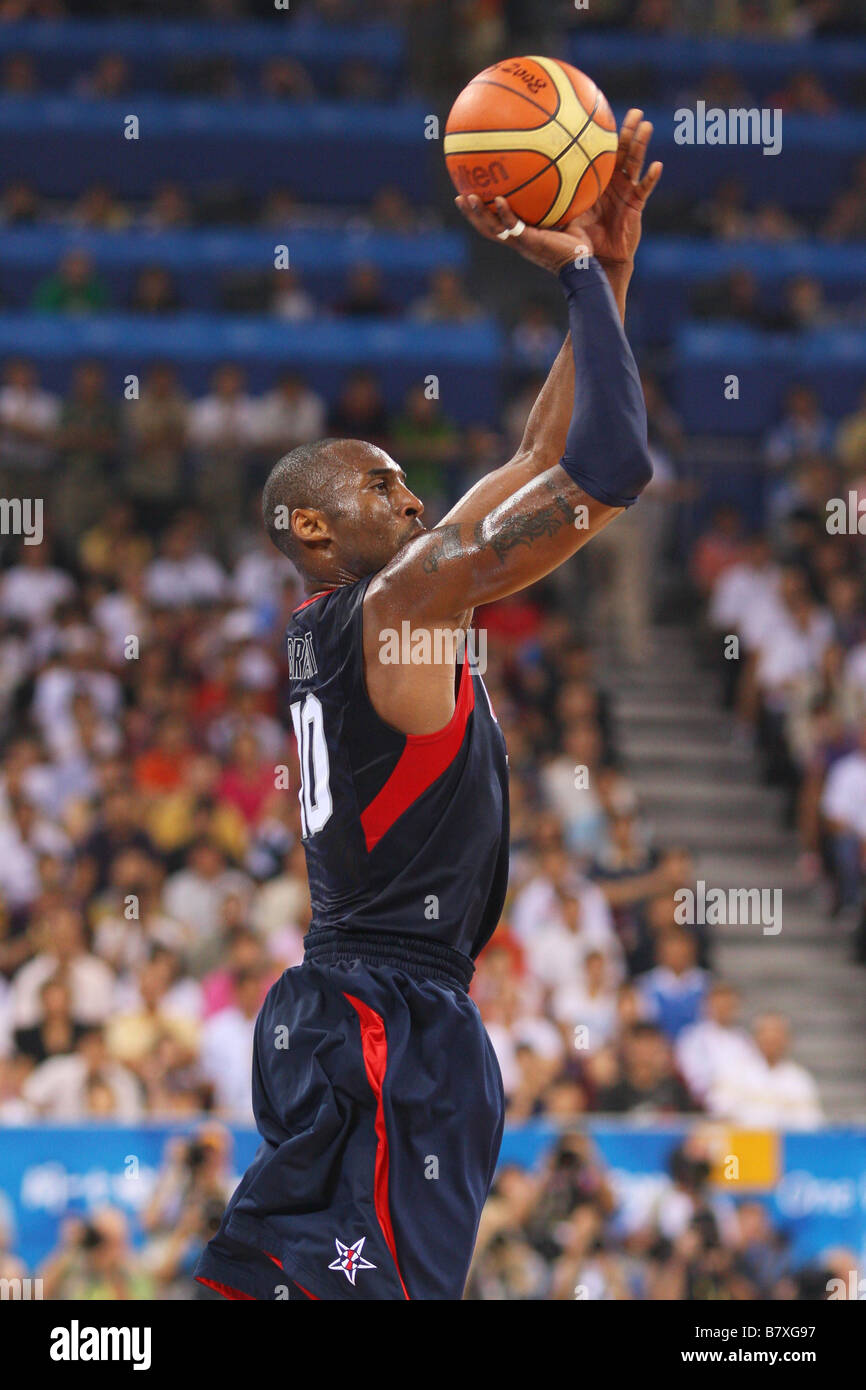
630	123
492	220
478	215
465	207
650	179
637	152
627	130
501	207
507	218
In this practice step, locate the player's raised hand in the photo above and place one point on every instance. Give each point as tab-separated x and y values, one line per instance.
547	248
613	223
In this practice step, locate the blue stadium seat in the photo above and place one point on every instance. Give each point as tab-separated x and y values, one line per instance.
833	361
200	261
467	362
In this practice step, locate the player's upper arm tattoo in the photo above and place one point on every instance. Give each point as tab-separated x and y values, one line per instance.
447	546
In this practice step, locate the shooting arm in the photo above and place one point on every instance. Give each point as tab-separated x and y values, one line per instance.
465	562
544	437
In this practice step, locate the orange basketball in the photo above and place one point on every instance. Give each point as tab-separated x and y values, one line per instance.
535	131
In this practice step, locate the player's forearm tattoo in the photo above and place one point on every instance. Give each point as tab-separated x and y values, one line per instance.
526	529
500	536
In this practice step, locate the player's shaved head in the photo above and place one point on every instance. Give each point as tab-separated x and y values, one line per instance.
319	513
304	477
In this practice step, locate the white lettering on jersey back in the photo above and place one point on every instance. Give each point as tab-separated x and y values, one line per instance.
302	658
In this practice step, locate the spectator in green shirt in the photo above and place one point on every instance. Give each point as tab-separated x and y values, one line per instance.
426	444
88	447
74	288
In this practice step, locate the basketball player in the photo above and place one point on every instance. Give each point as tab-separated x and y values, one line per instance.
375	1087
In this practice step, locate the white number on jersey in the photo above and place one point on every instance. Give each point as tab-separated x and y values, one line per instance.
315	793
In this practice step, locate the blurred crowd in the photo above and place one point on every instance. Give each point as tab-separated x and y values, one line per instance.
574	1229
571	1227
793	597
482	22
152	882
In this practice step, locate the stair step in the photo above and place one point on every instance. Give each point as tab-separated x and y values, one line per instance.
647	714
672	747
719	834
655	789
699	786
745	867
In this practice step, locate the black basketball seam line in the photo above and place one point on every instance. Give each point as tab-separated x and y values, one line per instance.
590	164
575	139
591	160
489	82
551	164
516	131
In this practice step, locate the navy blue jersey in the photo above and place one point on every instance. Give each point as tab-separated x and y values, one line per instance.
404	833
371	1060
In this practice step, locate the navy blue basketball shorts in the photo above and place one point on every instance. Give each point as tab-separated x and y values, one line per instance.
379	1101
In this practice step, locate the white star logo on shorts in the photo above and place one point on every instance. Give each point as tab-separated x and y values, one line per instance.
350	1260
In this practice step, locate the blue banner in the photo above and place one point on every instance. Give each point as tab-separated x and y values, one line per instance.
813	1184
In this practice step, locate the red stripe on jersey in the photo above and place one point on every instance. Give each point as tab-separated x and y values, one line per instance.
374	1045
424	758
313	598
225	1289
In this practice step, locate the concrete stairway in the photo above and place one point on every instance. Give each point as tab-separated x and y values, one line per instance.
700	788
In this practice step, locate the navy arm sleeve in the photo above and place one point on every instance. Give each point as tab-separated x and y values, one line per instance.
606	449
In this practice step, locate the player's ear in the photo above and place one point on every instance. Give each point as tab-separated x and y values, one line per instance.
310	525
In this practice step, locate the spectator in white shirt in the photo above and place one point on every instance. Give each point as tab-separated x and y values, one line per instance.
61	1088
25	837
573	783
575	923
768	1090
28	421
289	300
258	579
32	588
77	668
182	574
745	587
843	806
289	415
91	984
538	901
706	1049
228	417
511	1025
588	1004
227	1049
790	640
195	894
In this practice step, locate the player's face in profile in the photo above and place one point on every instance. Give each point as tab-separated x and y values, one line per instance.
377	512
